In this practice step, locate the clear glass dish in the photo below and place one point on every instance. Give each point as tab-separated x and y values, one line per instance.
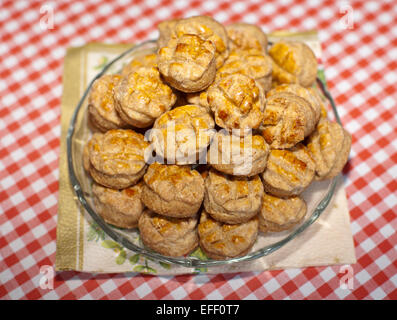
317	196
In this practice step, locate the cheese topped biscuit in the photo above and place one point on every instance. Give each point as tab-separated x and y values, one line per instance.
142	96
237	101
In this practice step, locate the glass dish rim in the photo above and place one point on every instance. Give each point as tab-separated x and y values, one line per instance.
190	262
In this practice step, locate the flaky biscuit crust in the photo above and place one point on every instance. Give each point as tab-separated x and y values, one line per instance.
343	156
288	172
169	236
288	119
309	94
236	155
116	158
144	60
329	146
198	98
293	62
166	29
208	29
101	103
243	36
324	145
250	62
121	208
221	241
188	62
232	199
193	127
237	101
279	214
142	97
174	191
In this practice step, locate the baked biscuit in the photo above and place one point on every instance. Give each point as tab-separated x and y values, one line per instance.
174	191
235	155
278	214
343	157
166	29
145	60
86	152
101	104
237	101
232	199
142	97
206	28
188	63
121	208
182	134
329	146
288	172
288	119
293	62
222	241
198	98
116	158
309	94
250	62
243	36
168	236
324	113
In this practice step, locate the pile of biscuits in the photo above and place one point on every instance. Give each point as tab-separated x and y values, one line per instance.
208	94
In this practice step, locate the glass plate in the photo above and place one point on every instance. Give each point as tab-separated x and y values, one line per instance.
317	196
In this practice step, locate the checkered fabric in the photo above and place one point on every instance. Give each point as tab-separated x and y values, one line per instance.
359	41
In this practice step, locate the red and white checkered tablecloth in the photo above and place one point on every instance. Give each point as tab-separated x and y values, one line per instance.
359	40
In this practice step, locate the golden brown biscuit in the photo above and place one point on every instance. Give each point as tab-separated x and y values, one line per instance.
288	119
232	199
174	191
293	62
288	172
309	94
208	29
121	208
101	104
329	146
169	236
250	62
238	155
145	60
243	36
319	97
222	241
116	158
278	214
324	113
198	98
166	29
343	156
182	134
237	101
142	97
187	63
86	153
